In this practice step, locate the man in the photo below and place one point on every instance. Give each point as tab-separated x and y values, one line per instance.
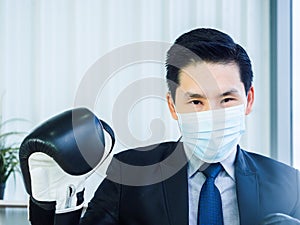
210	82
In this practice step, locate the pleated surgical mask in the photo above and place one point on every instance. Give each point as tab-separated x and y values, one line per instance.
212	135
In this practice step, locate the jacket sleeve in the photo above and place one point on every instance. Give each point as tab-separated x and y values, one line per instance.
296	213
103	209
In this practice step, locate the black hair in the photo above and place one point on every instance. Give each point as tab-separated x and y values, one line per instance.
209	45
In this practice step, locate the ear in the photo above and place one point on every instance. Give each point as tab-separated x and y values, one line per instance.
250	100
171	106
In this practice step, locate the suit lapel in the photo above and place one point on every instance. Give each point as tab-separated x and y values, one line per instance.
247	190
175	187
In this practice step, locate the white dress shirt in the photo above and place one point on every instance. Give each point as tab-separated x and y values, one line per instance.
225	182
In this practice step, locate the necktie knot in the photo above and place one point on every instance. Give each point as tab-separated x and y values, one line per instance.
213	170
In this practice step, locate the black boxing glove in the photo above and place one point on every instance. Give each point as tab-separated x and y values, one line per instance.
56	159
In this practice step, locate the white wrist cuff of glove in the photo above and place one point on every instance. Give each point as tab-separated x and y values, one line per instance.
67	210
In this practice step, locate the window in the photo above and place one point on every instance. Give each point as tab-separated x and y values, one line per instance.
296	80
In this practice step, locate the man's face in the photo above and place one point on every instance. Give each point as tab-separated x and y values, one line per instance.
205	86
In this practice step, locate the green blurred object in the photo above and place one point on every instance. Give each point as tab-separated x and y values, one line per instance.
9	160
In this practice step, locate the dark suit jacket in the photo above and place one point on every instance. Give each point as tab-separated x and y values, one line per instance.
148	186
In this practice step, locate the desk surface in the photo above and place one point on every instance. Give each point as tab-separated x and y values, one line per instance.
10	204
13	216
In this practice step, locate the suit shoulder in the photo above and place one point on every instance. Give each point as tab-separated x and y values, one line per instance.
263	164
147	155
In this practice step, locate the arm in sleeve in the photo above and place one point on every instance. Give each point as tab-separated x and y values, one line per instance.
296	213
103	209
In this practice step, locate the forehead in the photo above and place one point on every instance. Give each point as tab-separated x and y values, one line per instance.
206	78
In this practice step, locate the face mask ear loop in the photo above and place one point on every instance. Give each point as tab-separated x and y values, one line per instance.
178	116
173	103
178	123
179	139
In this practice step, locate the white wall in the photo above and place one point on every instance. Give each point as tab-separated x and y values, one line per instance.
48	48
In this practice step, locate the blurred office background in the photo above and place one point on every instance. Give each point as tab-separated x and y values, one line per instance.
49	48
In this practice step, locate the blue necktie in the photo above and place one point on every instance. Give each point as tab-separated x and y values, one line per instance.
210	204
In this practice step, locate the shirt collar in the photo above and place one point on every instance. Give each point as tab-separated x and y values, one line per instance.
195	163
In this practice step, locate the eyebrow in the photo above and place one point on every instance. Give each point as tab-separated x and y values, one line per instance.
230	92
197	95
194	95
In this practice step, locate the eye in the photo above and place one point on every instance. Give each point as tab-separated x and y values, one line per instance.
196	102
225	100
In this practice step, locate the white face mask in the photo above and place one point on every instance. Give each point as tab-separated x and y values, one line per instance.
212	135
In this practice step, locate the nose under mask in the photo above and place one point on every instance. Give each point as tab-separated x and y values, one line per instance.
212	135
